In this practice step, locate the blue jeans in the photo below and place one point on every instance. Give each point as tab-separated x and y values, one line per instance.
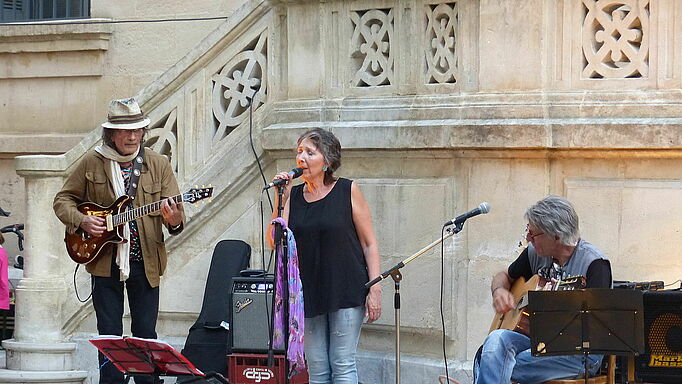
331	343
505	357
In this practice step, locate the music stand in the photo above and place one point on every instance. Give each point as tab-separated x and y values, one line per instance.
136	356
584	321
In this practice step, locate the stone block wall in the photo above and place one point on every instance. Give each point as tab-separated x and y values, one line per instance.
439	105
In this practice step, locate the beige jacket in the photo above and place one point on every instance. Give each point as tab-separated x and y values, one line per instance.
89	182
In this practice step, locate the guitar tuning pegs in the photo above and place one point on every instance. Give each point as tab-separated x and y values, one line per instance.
203	186
210	200
196	186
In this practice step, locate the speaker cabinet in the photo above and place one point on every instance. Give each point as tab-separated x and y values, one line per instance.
251	314
662	362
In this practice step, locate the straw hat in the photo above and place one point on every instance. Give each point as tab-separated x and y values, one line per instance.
125	114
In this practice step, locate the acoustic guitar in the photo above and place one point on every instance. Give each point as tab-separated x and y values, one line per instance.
517	319
83	248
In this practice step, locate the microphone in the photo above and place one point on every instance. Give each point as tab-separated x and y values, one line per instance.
482	208
294	173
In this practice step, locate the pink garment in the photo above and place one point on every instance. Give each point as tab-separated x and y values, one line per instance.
4	280
295	348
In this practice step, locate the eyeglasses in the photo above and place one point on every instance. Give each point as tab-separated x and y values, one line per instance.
127	132
530	236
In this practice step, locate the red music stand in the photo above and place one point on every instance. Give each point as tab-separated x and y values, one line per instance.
135	356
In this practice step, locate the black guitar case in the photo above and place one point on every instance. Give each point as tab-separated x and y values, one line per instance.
208	341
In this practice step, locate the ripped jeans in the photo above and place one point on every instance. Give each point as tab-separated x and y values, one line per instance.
331	343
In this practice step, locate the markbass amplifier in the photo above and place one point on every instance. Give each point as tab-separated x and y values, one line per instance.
251	314
662	361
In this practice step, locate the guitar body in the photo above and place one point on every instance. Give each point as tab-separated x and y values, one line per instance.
84	248
515	319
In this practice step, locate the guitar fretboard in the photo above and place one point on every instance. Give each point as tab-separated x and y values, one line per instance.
144	210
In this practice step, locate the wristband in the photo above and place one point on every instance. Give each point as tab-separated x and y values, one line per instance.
496	288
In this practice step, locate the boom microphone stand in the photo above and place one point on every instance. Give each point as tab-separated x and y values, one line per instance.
395	274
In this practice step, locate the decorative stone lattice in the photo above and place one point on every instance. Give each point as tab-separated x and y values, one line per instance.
240	80
162	137
371	51
615	39
440	52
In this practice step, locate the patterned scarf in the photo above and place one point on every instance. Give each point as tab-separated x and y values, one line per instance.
296	314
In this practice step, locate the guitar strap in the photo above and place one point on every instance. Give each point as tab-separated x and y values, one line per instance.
135	173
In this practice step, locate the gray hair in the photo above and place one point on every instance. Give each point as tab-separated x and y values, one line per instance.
555	216
330	148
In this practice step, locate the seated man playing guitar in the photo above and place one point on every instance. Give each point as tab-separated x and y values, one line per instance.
555	252
137	256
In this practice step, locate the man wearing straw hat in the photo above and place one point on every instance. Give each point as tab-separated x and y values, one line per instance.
118	167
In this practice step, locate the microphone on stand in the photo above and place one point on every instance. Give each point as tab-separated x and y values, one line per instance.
294	173
481	209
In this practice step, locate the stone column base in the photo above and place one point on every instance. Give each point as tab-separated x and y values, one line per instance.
26	377
40	363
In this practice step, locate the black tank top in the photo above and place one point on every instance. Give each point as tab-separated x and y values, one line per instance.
332	264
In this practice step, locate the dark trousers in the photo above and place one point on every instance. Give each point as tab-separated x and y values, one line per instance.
107	298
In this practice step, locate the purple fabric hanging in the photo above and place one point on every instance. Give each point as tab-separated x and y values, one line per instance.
295	348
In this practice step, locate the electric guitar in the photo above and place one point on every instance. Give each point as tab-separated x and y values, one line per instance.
83	248
517	319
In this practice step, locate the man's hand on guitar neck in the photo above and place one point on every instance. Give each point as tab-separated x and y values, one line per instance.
171	212
94	225
503	299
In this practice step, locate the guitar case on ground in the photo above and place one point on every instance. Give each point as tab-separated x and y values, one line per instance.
208	341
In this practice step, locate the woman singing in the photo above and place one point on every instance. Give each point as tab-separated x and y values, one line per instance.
338	254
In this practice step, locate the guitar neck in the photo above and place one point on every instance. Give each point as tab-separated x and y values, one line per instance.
136	213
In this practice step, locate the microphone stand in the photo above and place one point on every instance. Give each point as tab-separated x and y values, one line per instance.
397	277
280	239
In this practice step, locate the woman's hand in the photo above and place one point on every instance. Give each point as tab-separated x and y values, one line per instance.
373	303
287	186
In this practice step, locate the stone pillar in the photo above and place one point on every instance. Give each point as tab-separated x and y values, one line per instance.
39	351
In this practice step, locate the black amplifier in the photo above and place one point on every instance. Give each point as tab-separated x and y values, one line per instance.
639	285
251	313
662	362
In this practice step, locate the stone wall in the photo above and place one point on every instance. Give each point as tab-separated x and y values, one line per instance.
439	105
56	79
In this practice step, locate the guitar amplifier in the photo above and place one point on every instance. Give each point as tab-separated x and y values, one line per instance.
639	285
251	314
662	361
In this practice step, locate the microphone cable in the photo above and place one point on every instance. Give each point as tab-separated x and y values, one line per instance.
262	175
266	268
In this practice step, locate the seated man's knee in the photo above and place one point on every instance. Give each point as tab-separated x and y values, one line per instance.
495	338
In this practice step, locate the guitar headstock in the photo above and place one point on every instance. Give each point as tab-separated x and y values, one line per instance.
572	282
522	244
196	194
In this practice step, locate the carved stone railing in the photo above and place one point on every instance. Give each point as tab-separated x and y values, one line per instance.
423	81
229	67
